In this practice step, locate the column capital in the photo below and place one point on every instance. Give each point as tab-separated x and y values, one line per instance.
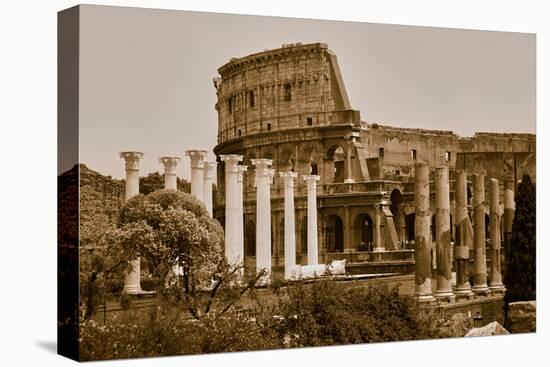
170	164
209	168
132	160
311	180
288	178
197	157
241	170
262	168
231	162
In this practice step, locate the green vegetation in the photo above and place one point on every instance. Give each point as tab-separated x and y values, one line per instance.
520	278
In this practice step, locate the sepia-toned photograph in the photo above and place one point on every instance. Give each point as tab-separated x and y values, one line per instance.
233	183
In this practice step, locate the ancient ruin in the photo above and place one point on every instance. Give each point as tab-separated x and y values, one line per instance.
290	106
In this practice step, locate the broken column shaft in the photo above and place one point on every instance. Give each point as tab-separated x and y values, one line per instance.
422	246
464	237
443	235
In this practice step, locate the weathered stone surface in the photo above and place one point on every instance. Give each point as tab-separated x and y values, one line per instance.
494	328
522	317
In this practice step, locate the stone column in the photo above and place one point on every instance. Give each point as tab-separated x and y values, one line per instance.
240	219
263	181
495	279
480	265
349	172
290	224
209	169
422	239
443	235
378	246
197	175
232	214
132	284
170	178
464	237
509	208
312	245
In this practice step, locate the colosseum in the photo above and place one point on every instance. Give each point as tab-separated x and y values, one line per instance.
290	105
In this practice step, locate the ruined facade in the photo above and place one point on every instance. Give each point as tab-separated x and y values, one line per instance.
290	105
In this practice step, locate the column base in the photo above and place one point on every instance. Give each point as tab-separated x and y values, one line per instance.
137	291
481	290
425	298
445	296
464	293
349	180
497	289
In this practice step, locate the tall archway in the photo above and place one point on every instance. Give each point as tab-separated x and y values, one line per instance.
364	232
335	163
395	204
335	234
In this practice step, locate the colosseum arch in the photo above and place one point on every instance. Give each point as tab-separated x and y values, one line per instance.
334	163
363	228
334	233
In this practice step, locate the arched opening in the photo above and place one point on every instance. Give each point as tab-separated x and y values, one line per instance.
335	164
250	238
409	222
395	203
365	232
335	234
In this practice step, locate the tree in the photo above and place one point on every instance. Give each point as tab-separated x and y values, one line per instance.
155	181
183	236
520	277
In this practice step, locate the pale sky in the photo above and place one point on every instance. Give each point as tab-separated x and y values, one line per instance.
146	77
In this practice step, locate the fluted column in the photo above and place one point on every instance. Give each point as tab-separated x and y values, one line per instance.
290	224
170	178
480	265
422	239
197	175
263	181
495	278
443	235
232	214
240	219
209	168
132	284
312	241
464	237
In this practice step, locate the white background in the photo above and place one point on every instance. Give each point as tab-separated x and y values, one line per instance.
28	181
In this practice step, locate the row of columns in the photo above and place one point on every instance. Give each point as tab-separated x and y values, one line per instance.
263	179
466	237
201	187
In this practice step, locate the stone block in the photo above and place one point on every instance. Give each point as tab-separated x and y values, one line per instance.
494	328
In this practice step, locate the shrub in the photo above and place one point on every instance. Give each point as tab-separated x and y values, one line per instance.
324	313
